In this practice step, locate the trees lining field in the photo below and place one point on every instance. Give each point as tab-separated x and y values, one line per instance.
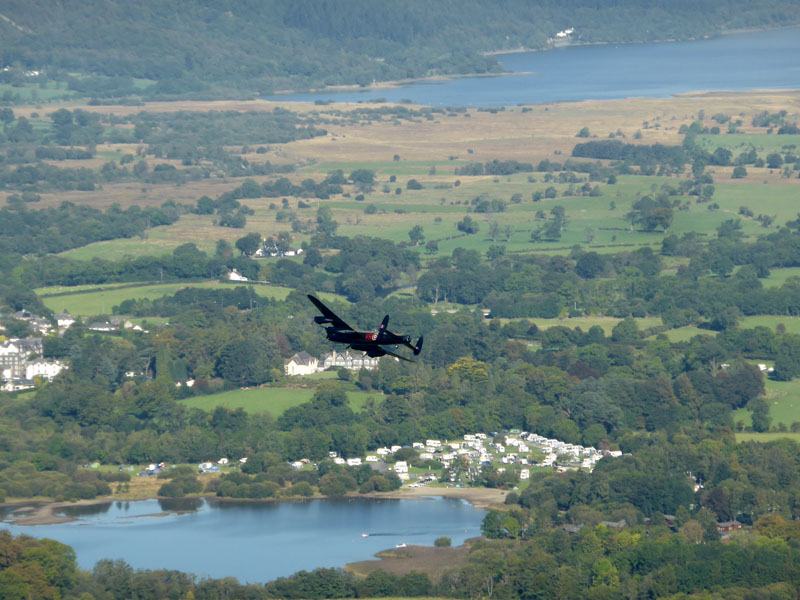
273	401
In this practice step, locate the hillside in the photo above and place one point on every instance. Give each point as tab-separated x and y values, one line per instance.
110	48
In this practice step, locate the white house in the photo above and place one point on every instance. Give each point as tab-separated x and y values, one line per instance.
234	275
352	361
65	320
354	462
43	368
301	363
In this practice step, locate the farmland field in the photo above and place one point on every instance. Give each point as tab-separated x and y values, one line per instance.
103	299
430	150
268	400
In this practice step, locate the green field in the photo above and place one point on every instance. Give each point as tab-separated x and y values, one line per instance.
737	143
585	323
268	400
792	324
784	403
777	277
98	300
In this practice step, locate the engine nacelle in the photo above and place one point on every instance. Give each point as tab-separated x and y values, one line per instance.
320	320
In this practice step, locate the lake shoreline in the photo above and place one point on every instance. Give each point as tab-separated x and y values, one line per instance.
399	83
32	513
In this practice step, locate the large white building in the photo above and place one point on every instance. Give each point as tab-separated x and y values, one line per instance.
301	363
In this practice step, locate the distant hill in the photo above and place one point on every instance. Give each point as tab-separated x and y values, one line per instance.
162	48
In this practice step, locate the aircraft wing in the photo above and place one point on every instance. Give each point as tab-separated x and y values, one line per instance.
390	353
328	313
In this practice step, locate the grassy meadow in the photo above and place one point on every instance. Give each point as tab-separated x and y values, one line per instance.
585	323
273	401
99	300
784	403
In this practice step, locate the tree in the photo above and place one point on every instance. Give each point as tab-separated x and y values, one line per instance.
416	235
413	184
584	133
432	247
774	161
625	331
313	257
325	223
249	244
760	414
589	265
651	214
363	176
739	172
468	226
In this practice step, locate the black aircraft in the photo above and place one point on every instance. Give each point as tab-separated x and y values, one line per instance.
370	342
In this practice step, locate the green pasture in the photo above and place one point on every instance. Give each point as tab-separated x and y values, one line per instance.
102	300
30	93
268	400
737	143
777	277
784	403
586	323
684	334
440	205
792	324
52	290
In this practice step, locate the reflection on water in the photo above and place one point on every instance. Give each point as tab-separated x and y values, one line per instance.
254	541
86	510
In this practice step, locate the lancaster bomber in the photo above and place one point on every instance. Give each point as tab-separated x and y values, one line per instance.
370	342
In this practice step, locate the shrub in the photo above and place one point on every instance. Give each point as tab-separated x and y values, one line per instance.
443	542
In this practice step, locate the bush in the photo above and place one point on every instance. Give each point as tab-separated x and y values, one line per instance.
302	488
171	489
443	542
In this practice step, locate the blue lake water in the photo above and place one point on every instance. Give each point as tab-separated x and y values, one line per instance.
255	542
756	60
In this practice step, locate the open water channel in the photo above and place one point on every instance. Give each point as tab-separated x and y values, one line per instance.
255	542
744	61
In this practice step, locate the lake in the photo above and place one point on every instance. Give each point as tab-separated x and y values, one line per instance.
755	60
254	542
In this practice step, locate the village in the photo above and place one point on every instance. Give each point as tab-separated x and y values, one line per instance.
460	460
21	361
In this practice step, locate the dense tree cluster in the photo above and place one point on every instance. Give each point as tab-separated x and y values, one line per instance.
69	226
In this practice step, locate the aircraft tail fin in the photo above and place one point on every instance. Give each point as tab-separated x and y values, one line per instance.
382	329
418	347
